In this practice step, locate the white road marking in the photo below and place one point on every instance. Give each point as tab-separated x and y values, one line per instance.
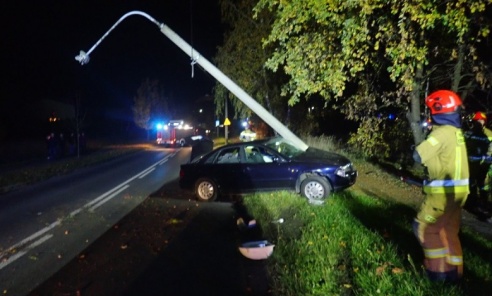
91	206
30	238
6	261
148	172
91	209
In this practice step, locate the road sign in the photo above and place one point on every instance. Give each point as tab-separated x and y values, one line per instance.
227	121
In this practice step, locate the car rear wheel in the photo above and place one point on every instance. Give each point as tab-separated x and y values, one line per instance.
206	190
315	188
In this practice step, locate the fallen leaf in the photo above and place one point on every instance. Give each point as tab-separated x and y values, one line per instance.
174	221
380	269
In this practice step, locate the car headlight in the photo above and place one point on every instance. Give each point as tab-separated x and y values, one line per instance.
344	171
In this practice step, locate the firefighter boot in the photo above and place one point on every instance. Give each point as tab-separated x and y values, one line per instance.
452	276
435	276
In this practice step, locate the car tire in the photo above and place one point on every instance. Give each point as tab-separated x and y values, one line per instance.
206	189
315	188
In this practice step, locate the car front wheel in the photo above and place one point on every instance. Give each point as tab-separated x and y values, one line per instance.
206	190
315	188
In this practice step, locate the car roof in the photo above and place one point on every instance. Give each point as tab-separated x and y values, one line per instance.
259	141
254	142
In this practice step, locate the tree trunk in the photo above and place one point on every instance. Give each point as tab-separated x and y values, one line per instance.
458	68
414	115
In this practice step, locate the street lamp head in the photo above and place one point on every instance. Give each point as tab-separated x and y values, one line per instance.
83	58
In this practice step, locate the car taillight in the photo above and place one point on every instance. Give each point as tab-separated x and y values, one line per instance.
181	173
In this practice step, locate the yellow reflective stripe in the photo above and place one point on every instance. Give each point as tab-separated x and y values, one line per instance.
446	190
435	253
433	141
457	164
455	260
447	186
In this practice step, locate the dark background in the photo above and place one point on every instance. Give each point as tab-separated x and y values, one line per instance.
40	40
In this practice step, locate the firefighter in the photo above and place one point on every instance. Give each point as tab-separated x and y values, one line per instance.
481	118
479	147
444	155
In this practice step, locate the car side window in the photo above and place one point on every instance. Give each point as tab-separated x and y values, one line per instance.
253	155
267	156
229	155
211	158
258	154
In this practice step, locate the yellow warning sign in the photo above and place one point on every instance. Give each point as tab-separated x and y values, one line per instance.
227	121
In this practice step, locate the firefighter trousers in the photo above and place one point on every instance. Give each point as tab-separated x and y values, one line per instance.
436	227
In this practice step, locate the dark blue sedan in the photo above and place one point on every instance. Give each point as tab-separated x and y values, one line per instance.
266	165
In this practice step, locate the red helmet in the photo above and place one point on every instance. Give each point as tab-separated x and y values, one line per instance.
480	116
443	101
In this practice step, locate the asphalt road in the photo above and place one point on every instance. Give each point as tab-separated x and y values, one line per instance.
43	227
124	228
164	247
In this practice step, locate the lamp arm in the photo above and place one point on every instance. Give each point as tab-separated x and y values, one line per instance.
273	122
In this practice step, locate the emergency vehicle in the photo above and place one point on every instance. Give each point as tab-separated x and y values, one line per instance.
174	133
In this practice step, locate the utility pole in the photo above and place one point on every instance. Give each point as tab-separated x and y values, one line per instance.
269	119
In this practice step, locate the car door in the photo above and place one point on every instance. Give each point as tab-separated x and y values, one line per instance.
228	171
266	170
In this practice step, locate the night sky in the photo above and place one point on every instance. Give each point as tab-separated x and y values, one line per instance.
40	40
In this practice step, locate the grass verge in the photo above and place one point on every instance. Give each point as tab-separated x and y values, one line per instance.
355	245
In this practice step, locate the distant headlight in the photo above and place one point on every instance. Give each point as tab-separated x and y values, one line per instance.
344	171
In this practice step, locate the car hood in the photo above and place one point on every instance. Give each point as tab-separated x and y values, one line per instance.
321	156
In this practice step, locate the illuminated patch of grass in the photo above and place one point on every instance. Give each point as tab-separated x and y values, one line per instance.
353	245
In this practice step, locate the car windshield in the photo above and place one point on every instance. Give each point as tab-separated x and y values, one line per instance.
284	147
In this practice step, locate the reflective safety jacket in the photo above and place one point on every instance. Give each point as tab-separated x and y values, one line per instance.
445	156
488	134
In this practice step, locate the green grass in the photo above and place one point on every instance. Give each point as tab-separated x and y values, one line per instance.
355	245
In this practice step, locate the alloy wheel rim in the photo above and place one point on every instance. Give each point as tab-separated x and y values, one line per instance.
206	190
314	190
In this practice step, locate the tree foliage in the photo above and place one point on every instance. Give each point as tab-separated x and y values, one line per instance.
149	104
242	57
376	55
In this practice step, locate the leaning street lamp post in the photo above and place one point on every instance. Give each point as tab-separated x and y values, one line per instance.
83	58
